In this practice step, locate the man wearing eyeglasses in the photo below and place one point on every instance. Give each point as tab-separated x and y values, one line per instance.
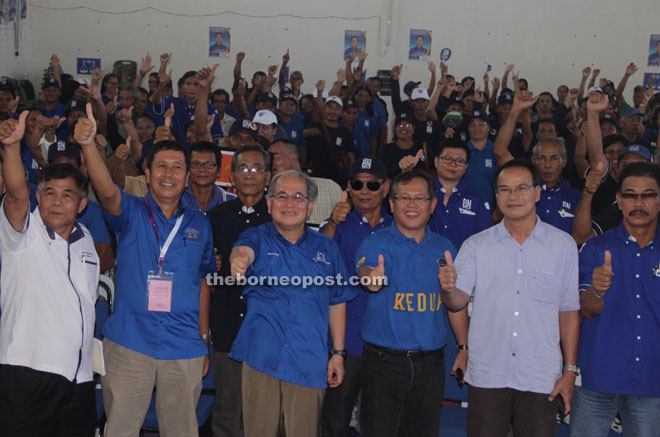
522	274
619	353
202	194
283	340
460	213
250	175
367	188
404	325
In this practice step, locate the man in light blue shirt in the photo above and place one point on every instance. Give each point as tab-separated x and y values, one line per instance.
522	274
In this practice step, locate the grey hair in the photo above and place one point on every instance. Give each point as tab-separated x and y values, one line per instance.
134	90
558	141
312	188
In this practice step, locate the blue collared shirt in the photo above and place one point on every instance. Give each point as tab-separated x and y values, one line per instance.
479	176
189	201
284	334
557	206
407	313
380	113
294	130
163	335
619	348
465	214
183	113
349	235
30	164
365	127
92	218
518	293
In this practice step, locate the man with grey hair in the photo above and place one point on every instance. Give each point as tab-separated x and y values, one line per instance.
293	296
558	201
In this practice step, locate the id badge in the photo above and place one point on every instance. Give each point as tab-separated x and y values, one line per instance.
159	291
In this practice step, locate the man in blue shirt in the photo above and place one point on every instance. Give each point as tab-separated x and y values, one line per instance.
479	175
522	274
619	353
419	50
159	330
404	322
460	213
202	194
367	187
287	121
283	340
51	107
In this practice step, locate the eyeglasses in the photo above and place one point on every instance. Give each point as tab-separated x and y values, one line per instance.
458	162
507	191
638	196
295	198
209	165
249	170
416	200
371	185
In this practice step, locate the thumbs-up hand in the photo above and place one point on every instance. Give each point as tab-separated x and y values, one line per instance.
111	107
377	275
85	128
11	131
447	274
123	150
602	276
168	115
409	162
340	210
239	262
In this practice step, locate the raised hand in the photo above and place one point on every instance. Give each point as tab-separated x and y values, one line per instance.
443	68
101	143
320	86
585	72
55	61
447	273
206	76
468	84
362	55
111	107
85	128
409	162
631	69
597	102
509	68
145	65
168	115
486	78
123	150
571	97
340	210
478	95
165	78
125	114
240	56
285	57
496	83
165	58
95	93
97	75
431	67
239	263
596	72
377	275
594	178
341	75
601	279
523	100
396	71
272	70
12	131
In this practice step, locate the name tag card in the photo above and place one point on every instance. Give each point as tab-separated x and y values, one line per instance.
159	291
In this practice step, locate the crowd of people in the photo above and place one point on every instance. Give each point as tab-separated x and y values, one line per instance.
456	209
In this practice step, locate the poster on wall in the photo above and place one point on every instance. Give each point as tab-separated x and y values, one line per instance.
219	42
354	41
655	81
420	45
654	51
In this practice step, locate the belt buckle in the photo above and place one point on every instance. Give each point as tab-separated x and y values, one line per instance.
412	354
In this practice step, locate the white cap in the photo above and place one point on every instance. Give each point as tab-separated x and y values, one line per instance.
264	116
84	81
335	99
324	94
419	93
596	89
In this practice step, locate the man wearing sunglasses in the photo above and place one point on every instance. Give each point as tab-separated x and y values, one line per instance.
367	188
619	353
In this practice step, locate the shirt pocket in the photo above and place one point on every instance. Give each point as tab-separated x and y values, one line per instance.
544	287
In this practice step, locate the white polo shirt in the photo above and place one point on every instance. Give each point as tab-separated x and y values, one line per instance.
49	288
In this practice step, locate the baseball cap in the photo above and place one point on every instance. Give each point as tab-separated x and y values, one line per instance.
286	94
595	89
372	166
243	124
63	148
350	103
409	86
263	97
637	149
419	93
78	105
6	85
629	112
479	114
335	99
264	116
607	118
51	82
504	99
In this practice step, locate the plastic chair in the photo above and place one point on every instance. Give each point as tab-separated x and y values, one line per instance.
103	308
126	71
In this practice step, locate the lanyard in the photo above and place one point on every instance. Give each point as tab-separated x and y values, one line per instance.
166	246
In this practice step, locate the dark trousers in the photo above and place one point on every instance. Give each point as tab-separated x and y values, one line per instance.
227	374
340	401
490	411
401	395
37	404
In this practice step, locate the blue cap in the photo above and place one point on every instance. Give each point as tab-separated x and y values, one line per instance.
629	112
637	149
408	87
372	166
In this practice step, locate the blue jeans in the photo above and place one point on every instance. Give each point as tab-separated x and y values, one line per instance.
593	412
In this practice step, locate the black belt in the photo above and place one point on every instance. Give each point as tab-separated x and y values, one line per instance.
403	353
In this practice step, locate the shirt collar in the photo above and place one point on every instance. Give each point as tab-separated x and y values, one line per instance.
552	190
359	219
625	236
156	208
402	238
76	232
539	232
440	189
278	235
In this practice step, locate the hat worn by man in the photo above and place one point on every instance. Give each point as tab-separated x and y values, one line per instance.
63	148
335	99
243	124
286	94
264	97
629	112
408	87
6	85
51	82
504	99
77	105
372	166
636	149
480	115
419	93
607	118
264	116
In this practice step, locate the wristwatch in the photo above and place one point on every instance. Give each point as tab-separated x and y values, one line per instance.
462	347
572	368
341	352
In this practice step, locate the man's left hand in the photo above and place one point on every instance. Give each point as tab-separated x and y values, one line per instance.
335	371
564	387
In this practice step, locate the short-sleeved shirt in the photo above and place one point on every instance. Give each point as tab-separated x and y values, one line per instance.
183	113
228	309
220	196
479	176
284	334
349	235
407	313
465	214
170	335
619	351
48	296
557	206
365	128
30	164
518	292
380	112
318	151
293	130
391	154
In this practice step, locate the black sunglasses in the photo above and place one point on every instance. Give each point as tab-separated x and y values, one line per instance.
371	185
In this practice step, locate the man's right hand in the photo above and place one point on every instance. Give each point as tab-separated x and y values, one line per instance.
341	210
447	274
522	101
594	179
11	131
396	71
239	263
597	102
602	276
409	162
85	128
377	275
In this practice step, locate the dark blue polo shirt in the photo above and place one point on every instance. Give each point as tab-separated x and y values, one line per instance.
294	130
284	333
30	164
619	349
479	176
349	235
162	335
365	127
407	314
465	214
557	206
220	196
183	113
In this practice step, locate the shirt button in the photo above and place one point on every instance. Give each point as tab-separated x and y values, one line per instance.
638	316
513	354
638	254
637	296
517	292
447	211
637	275
242	314
515	334
519	271
445	226
241	297
516	313
547	211
636	358
639	337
